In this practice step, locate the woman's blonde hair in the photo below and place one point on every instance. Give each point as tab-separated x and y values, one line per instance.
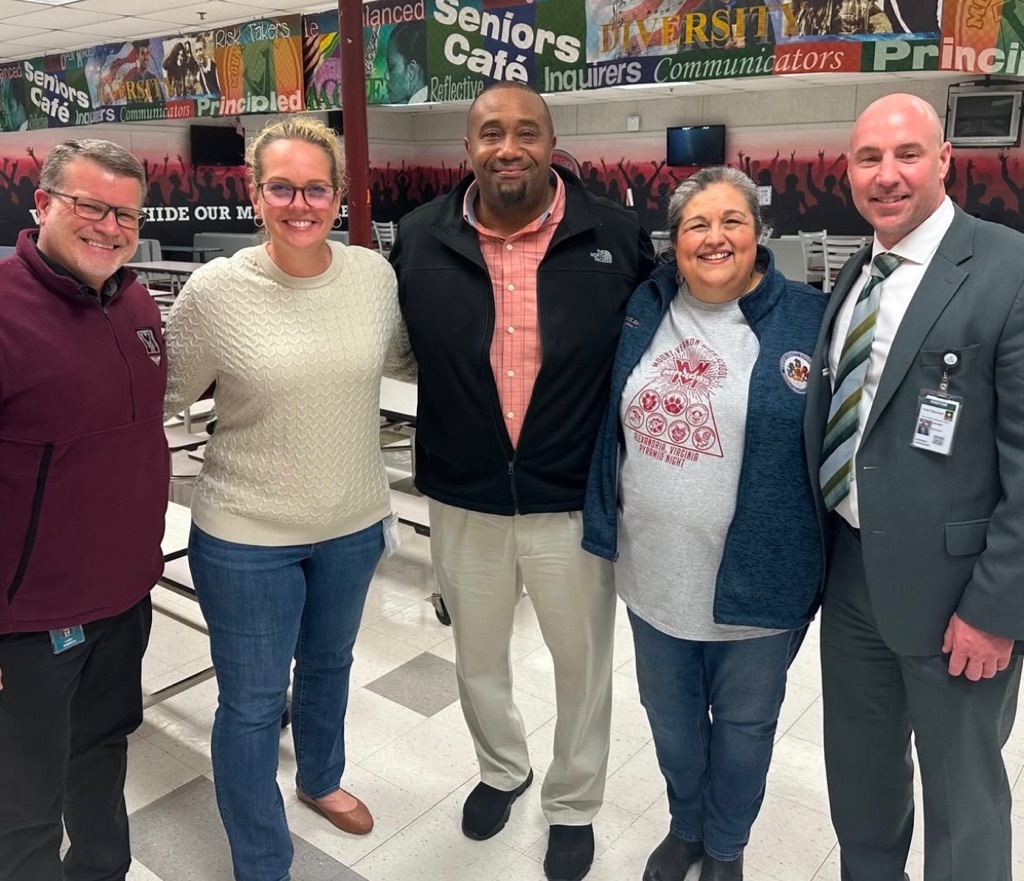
298	128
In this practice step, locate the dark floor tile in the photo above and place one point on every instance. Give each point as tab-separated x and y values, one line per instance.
425	684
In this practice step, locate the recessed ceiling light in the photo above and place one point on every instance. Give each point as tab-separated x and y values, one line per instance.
51	2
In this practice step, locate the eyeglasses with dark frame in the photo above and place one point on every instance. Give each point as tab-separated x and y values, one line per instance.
93	209
278	194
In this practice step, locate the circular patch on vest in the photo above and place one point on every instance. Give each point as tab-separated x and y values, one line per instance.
795	367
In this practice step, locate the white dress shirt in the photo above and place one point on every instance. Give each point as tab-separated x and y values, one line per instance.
916	250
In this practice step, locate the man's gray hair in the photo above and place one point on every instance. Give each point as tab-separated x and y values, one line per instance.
106	154
707	177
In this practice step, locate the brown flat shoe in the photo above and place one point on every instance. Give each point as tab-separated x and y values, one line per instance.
358	821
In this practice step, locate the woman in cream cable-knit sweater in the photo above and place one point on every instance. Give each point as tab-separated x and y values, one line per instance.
288	511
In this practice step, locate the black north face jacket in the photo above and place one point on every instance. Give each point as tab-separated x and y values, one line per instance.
597	257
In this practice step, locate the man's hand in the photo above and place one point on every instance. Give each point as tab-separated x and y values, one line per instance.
973	652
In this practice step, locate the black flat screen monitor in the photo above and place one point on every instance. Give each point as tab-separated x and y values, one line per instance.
689	146
216	145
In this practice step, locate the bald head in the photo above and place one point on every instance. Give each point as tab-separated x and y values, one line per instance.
491	96
898	162
915	110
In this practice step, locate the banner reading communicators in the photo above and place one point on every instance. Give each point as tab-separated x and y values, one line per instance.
447	50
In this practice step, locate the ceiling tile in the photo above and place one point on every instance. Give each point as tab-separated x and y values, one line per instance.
58	19
56	41
10	51
217	12
15	34
124	28
9	8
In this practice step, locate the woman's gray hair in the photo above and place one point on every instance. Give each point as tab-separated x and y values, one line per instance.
699	182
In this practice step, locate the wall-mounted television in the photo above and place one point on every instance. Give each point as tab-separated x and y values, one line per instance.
216	145
983	116
695	145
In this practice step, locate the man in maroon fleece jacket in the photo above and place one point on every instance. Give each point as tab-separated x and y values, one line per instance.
83	488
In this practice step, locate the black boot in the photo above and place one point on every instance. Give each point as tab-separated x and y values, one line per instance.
671	860
720	870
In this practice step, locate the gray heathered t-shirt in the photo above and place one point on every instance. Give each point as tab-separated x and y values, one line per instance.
683	411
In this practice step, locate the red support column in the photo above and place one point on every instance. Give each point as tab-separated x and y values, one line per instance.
353	103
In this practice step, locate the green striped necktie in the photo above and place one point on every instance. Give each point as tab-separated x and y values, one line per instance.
843	414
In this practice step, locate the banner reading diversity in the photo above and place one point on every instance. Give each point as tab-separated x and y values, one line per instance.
448	50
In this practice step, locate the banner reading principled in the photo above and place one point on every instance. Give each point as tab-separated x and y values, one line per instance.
983	36
255	67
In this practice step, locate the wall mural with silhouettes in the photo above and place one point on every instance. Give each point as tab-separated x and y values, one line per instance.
802	174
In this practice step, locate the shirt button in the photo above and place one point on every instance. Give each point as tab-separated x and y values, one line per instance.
511	330
511	373
511	287
510	415
508	247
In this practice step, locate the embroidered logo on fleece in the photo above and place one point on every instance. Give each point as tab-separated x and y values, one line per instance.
795	367
148	338
601	256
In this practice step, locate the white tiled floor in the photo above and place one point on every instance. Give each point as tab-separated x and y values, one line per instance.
414	772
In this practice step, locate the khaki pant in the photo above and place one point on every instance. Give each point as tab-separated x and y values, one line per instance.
480	561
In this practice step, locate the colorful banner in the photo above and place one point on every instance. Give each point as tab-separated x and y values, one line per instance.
254	67
448	50
983	37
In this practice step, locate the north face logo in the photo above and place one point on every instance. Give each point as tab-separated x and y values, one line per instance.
148	338
601	256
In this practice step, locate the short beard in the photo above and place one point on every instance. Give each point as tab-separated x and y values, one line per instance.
512	197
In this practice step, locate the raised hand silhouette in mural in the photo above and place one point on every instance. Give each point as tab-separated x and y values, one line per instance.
23	192
973	192
593	181
614	193
234	184
951	178
828	207
155	193
404	201
1014	187
788	207
427	188
178	197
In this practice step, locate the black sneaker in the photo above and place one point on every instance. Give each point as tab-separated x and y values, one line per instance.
487	809
570	852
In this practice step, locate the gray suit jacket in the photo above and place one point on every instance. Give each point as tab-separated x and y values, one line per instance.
943	534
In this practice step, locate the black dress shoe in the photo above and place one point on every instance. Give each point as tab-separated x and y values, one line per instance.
671	860
570	852
720	870
487	809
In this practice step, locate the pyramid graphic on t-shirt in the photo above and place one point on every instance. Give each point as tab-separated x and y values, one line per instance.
675	407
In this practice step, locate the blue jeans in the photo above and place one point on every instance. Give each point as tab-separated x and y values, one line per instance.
713	708
264	606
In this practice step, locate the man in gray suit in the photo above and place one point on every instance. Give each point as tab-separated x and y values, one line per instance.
925	593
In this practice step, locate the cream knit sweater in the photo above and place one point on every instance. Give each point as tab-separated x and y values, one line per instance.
297	361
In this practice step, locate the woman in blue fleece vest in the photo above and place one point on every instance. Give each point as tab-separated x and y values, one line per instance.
699	490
